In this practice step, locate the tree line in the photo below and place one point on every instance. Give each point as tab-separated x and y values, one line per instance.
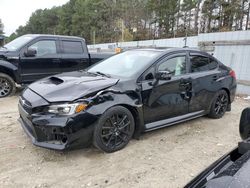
1	27
101	21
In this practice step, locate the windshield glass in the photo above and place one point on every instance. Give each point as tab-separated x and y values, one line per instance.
126	64
18	42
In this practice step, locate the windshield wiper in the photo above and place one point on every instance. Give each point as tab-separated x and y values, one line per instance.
99	73
103	74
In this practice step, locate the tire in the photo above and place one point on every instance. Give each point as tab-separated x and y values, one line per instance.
114	129
219	105
7	85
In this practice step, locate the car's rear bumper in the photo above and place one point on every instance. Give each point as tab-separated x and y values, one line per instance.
233	93
58	133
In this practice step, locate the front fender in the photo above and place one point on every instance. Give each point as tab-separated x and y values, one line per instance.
129	99
10	69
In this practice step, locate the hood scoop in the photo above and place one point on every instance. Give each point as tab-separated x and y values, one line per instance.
56	80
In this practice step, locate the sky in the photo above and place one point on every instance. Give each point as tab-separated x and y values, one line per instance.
14	13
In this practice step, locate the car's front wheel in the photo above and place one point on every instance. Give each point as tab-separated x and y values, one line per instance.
219	105
7	85
114	129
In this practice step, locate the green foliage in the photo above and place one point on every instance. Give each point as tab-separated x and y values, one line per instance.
11	37
1	27
120	20
65	13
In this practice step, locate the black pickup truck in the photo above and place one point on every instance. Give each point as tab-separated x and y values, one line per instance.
34	56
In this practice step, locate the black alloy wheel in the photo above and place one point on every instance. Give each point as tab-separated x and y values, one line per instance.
219	105
114	130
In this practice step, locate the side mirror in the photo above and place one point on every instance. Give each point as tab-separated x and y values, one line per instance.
163	75
30	52
245	124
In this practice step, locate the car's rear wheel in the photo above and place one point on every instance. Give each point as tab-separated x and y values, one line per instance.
114	129
7	85
219	105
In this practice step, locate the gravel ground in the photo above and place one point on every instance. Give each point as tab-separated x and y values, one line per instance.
169	157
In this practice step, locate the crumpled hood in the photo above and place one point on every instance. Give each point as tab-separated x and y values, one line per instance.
70	86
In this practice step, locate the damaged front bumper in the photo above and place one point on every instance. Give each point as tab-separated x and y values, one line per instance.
58	132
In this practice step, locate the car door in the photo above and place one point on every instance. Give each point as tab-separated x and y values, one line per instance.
205	75
74	56
44	63
165	99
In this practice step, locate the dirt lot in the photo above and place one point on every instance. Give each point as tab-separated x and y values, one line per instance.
169	157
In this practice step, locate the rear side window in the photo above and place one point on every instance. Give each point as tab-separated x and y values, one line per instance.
72	47
202	63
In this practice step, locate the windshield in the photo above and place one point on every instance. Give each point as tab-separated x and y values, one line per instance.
18	42
126	64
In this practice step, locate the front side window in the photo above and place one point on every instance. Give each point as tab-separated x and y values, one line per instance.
44	47
202	63
72	47
176	65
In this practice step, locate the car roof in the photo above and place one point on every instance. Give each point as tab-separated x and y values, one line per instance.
164	51
59	36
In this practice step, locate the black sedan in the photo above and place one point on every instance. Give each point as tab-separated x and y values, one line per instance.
121	97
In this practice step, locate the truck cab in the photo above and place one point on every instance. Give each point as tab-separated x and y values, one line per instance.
34	56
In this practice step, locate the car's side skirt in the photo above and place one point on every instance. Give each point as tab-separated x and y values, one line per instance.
172	121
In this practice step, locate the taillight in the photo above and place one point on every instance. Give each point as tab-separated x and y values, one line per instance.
232	73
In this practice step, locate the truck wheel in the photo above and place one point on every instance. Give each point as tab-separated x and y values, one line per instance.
114	129
7	85
219	105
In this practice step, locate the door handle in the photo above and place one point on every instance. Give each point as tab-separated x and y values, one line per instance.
185	84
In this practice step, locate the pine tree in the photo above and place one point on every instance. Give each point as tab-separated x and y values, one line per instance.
101	21
1	27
